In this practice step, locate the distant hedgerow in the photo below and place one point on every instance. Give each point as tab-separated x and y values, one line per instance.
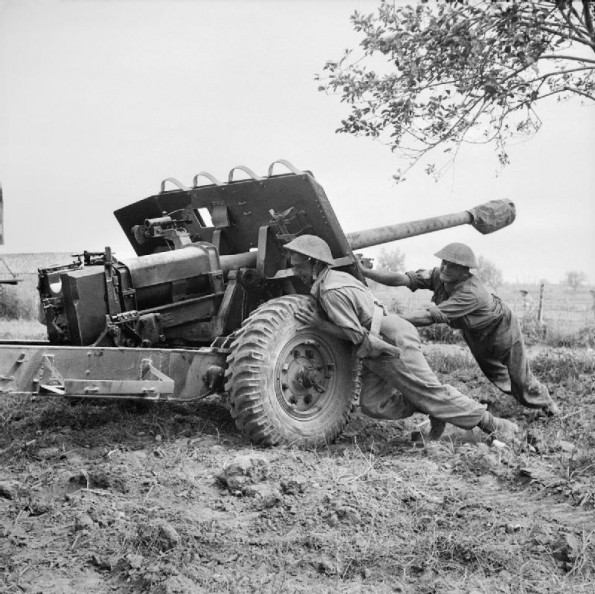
19	302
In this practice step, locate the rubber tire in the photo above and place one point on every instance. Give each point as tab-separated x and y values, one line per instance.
256	398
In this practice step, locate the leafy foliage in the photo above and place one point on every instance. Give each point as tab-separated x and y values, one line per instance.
440	74
575	278
391	260
488	273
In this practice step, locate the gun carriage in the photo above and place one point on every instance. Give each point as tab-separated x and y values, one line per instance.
207	306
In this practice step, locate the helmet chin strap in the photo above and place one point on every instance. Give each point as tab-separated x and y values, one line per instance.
317	268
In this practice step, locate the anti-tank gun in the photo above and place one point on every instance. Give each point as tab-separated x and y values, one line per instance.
208	305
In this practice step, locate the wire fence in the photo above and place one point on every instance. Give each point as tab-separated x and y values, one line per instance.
556	306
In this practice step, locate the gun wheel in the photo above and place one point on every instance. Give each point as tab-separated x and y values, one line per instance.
289	383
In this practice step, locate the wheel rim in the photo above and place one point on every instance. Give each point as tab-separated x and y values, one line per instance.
275	363
305	376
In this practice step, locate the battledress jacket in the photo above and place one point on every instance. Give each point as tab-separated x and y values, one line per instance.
351	308
465	305
492	332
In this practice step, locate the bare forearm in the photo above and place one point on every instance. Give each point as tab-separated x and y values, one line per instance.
419	318
391	279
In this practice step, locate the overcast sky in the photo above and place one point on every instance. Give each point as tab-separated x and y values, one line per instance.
102	100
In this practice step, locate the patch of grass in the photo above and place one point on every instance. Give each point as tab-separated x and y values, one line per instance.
574	338
563	365
441	333
450	359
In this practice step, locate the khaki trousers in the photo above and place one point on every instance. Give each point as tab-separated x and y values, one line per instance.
501	355
419	390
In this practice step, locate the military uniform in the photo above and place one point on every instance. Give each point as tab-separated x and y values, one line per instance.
349	304
491	330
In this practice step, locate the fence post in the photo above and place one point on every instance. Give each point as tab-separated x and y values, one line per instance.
540	308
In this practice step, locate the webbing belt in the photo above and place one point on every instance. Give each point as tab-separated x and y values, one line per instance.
377	316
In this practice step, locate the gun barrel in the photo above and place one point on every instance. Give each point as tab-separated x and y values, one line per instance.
486	218
233	261
380	235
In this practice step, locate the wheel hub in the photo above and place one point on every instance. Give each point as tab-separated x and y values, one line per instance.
306	372
310	377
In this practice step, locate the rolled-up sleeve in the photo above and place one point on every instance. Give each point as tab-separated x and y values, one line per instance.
423	279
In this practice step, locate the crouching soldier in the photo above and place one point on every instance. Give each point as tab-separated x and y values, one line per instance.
397	380
489	327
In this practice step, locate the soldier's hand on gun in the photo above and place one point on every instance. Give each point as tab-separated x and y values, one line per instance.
363	262
308	316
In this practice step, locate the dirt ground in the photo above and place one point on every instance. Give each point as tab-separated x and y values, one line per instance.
107	497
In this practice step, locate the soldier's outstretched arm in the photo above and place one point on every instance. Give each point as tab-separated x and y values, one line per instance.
384	277
433	314
419	318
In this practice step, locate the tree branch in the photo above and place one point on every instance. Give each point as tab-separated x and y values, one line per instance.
566	17
460	119
565	57
550	74
580	40
578	92
555	28
588	19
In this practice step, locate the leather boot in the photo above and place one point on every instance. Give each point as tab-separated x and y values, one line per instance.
551	410
498	428
436	429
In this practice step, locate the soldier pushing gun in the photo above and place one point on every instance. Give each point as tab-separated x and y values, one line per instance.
489	327
397	380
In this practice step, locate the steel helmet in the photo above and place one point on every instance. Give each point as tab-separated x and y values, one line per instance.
311	246
458	253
